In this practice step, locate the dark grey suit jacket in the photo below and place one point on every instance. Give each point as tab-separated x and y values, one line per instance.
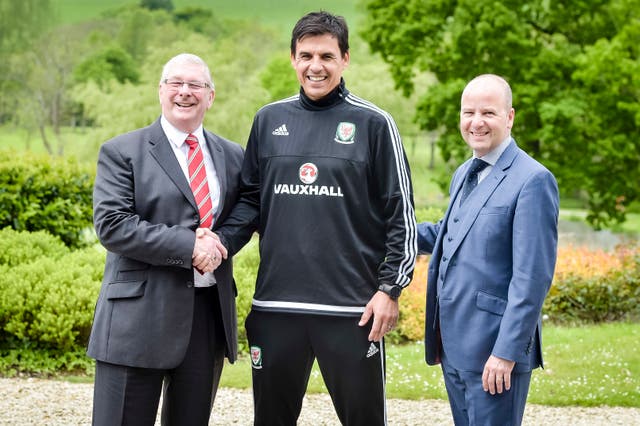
145	216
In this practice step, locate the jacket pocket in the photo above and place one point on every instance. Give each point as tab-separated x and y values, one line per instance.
491	210
125	289
131	270
490	303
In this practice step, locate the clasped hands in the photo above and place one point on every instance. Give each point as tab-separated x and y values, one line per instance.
208	251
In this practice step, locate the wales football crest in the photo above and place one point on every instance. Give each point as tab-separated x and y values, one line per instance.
345	133
256	357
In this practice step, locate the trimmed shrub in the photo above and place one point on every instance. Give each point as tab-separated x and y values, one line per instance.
48	294
593	286
245	270
412	306
23	247
48	303
44	193
589	286
44	362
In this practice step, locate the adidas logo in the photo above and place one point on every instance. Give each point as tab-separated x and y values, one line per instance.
372	350
281	131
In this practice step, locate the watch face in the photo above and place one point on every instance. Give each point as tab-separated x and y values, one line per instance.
392	290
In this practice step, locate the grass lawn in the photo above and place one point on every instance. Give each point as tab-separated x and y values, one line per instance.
585	366
80	143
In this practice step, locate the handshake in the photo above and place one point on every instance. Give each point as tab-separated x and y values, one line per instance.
208	251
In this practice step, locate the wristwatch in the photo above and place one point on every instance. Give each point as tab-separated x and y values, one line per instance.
392	290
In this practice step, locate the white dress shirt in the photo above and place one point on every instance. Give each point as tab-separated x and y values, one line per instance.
181	150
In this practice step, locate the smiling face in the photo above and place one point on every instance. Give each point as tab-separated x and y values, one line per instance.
183	107
319	64
486	115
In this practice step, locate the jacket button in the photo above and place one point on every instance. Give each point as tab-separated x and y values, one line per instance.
456	220
444	258
189	284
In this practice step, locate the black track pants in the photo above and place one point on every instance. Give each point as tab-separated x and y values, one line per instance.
283	347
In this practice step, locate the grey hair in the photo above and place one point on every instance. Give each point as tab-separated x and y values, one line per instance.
187	59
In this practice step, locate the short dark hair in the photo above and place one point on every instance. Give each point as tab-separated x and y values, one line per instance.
319	23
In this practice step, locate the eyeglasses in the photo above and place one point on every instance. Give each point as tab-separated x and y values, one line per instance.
192	85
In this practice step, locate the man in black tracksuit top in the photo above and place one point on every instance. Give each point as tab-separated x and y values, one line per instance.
326	184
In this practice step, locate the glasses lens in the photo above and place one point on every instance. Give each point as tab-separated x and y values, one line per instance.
176	84
192	85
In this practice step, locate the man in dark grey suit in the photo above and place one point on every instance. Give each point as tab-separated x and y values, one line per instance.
493	257
166	314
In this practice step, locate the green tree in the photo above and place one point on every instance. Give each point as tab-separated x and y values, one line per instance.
235	61
45	73
139	28
112	62
279	78
157	4
573	67
21	22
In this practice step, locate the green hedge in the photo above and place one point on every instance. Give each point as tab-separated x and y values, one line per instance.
47	297
23	247
44	193
245	269
579	300
48	293
49	302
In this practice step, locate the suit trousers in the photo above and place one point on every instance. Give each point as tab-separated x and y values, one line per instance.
126	395
472	406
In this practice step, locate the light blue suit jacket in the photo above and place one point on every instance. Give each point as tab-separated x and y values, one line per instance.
498	267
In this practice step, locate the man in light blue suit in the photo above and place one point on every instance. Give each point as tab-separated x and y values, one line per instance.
492	263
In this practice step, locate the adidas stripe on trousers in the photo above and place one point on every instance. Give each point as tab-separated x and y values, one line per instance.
283	348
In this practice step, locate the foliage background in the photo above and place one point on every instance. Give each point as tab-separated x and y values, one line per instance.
573	67
74	73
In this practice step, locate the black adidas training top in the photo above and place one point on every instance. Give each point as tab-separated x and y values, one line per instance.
327	186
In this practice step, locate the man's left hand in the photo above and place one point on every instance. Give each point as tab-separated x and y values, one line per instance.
496	376
385	313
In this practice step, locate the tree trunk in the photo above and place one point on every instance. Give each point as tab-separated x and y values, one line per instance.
45	141
432	162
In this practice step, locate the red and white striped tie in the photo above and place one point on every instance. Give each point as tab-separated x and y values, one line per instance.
198	181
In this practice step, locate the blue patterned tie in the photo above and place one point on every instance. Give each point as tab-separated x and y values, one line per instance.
471	180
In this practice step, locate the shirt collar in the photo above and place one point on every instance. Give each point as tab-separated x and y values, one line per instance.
493	156
177	137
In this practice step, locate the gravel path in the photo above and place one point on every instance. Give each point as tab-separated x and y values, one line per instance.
57	403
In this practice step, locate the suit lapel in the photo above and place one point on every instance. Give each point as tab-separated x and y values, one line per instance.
480	195
162	152
217	154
